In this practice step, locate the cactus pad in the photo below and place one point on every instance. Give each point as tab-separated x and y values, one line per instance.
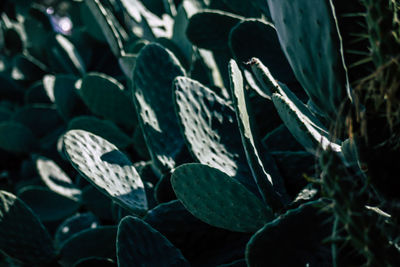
155	70
217	199
108	169
139	243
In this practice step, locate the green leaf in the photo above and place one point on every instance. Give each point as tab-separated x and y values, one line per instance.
74	225
156	68
96	242
56	179
139	243
217	199
293	239
263	166
210	29
210	129
103	128
22	235
48	205
309	37
16	138
106	97
108	169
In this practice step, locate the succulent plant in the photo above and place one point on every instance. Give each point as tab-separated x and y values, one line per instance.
199	132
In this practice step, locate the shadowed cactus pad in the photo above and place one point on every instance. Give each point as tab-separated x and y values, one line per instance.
217	199
106	97
155	70
56	179
293	239
22	236
263	166
312	44
108	169
210	128
140	244
16	138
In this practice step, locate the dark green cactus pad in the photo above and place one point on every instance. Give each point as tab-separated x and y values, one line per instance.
5	113
39	118
155	70
264	169
73	225
293	239
63	56
309	135
108	169
210	129
48	205
106	97
62	90
56	179
16	138
22	236
91	25
217	199
27	69
139	243
95	261
200	243
257	38
237	263
210	29
97	202
96	242
103	128
246	8
313	47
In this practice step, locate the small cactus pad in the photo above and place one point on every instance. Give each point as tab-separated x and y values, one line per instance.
301	127
155	70
313	47
22	236
106	97
217	199
210	29
103	128
16	138
108	169
56	179
210	128
73	225
96	242
139	243
264	169
48	205
256	38
293	239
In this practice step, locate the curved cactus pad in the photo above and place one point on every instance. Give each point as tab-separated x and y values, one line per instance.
107	168
313	48
210	29
256	38
139	243
56	179
103	128
73	225
106	97
217	199
48	205
96	242
302	128
298	233
263	166
155	70
16	138
210	128
22	236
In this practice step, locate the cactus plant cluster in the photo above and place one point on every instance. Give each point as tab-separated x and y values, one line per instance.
199	133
